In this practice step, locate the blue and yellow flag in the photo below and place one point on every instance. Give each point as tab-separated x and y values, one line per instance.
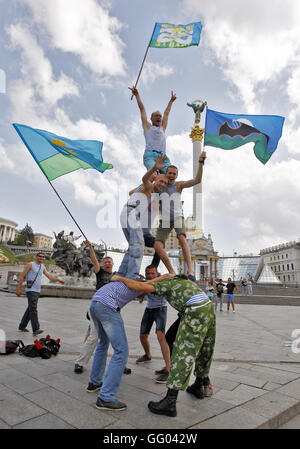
168	35
57	156
229	131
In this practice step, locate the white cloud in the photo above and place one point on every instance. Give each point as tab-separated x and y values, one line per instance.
84	28
259	199
293	91
253	42
37	68
152	71
5	162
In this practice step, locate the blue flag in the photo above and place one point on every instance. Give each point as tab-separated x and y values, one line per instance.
168	35
57	156
229	131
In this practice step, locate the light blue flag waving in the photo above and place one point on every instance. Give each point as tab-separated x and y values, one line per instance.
229	131
168	35
57	156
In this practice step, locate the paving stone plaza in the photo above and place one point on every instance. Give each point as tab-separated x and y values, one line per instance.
256	378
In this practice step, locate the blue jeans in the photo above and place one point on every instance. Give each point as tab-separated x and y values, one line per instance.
111	330
150	159
132	260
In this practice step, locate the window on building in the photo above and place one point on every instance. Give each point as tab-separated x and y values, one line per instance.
278	267
287	256
275	268
281	256
288	267
271	258
282	267
288	277
292	266
283	278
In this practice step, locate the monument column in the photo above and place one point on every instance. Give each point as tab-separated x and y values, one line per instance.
197	137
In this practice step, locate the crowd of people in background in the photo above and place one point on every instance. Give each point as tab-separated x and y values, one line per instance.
216	290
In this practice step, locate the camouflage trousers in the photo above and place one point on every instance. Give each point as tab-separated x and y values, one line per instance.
194	344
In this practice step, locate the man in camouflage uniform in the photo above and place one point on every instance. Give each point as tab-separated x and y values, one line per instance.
195	338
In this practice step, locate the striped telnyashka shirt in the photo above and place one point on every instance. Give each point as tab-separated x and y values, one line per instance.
196	299
115	295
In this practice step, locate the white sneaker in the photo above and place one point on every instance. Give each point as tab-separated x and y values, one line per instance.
233	311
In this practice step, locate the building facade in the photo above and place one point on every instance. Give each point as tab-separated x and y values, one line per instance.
42	241
171	244
284	261
7	230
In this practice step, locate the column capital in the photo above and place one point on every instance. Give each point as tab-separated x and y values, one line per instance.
197	133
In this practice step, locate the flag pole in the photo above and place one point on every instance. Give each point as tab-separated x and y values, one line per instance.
146	52
141	68
67	209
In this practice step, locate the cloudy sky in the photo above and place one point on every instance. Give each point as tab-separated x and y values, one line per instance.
68	65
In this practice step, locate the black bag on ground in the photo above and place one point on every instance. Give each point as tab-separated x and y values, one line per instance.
51	344
30	351
37	349
10	346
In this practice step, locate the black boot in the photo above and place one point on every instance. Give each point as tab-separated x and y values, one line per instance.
167	406
197	388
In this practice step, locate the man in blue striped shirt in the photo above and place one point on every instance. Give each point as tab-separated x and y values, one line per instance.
105	311
195	337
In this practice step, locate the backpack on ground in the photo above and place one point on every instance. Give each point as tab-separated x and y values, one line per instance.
51	344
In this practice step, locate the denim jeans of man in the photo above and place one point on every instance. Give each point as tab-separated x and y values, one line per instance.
111	330
31	313
132	260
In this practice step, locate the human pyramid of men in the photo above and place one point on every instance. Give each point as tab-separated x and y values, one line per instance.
190	340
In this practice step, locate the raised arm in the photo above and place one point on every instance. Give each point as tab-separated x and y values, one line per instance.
93	256
167	111
145	124
141	287
192	182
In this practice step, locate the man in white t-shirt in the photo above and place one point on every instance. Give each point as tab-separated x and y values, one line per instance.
154	132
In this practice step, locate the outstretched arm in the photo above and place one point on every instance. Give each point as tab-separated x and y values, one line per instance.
145	124
53	278
141	287
192	182
167	111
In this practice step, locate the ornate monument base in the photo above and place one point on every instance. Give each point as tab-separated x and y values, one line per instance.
204	256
